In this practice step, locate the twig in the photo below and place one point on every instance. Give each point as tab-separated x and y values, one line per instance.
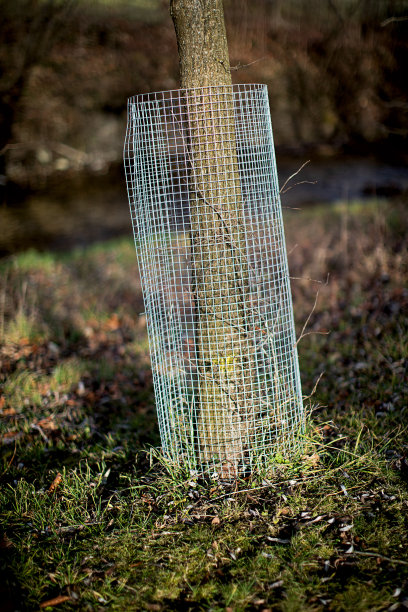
70	528
271	485
282	191
313	510
378	556
293	175
312	280
392	20
239	66
302	333
227	228
241	491
315	387
318	333
293	248
40	431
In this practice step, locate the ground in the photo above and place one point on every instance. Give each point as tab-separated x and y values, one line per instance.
92	516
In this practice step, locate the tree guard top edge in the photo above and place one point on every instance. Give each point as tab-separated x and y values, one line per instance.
174	93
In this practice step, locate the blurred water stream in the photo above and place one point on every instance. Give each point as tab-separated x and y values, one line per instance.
75	213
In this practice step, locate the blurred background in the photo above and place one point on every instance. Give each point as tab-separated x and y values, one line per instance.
336	71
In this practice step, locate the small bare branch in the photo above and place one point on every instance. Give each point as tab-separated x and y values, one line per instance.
303	333
293	175
312	280
295	185
392	20
378	556
239	66
314	388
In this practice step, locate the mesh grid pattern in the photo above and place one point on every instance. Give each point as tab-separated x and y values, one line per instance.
206	214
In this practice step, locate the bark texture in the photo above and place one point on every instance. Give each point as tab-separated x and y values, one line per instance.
220	272
202	42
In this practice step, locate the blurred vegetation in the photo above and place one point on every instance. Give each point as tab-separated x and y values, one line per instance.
335	71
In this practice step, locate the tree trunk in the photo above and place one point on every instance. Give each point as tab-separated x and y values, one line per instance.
220	269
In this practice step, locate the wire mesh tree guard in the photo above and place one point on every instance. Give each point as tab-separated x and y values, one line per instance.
205	207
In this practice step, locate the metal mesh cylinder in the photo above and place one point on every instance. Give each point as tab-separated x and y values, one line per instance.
206	214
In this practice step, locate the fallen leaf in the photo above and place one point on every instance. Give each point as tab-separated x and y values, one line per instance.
314	459
9	411
55	483
55	601
11	436
113	323
5	542
48	424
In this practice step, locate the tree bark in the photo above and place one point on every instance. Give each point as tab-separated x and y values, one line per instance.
202	42
220	270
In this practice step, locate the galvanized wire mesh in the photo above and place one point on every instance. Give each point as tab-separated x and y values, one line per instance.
208	229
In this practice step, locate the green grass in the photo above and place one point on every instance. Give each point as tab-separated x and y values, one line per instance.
92	516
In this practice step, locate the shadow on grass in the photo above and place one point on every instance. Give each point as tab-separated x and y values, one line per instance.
76	376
